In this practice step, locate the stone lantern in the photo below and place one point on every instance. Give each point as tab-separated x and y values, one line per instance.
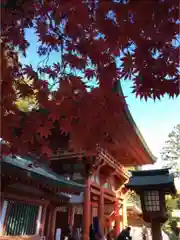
152	186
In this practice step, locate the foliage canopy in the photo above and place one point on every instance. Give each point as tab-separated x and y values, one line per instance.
102	40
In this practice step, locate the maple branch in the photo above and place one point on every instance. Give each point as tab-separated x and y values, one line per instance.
45	60
58	81
60	35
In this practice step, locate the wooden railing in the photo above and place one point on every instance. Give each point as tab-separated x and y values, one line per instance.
33	237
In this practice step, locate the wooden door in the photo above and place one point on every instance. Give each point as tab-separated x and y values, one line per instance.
77	221
62	223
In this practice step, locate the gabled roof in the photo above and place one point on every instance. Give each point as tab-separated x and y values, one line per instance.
131	120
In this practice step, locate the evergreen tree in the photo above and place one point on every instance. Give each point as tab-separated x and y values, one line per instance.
171	152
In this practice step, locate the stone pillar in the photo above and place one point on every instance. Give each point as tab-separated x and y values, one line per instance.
86	209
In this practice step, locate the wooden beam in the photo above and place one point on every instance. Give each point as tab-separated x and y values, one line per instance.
114	163
12	194
68	154
5	183
96	192
95	185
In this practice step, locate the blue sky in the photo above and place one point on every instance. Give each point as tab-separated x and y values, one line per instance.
155	120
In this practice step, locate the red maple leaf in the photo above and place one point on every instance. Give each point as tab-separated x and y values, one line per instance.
28	70
45	150
49	71
45	131
89	73
54	116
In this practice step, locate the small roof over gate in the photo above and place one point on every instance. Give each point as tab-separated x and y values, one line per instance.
41	173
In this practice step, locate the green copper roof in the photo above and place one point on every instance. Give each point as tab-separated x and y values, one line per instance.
153	172
41	173
159	178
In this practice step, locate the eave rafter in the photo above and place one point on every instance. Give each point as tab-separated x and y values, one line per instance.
94	161
118	168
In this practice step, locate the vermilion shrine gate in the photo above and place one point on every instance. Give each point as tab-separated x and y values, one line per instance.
102	174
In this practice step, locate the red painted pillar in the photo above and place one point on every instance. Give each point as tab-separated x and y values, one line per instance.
2	201
86	209
101	209
54	224
117	217
109	224
51	222
70	215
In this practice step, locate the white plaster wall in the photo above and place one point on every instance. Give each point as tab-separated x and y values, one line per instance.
77	198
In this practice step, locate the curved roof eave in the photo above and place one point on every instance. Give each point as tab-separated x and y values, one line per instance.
130	118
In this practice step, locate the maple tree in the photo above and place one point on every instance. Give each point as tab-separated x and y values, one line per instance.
105	41
25	104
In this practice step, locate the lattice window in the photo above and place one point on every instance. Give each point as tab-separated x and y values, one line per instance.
152	201
21	219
